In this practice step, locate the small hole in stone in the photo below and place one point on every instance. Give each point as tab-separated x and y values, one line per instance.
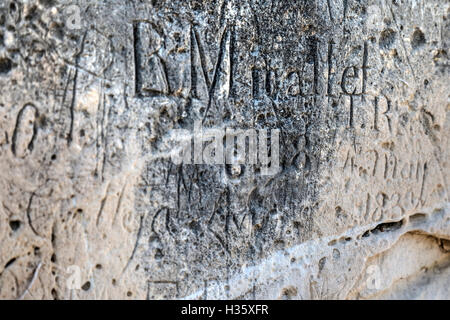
417	39
289	293
159	254
387	38
418	217
5	65
15	225
129	294
86	286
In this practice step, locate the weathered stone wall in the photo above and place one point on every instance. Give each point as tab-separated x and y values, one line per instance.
93	206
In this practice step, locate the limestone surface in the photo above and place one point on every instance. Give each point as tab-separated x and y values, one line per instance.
350	104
